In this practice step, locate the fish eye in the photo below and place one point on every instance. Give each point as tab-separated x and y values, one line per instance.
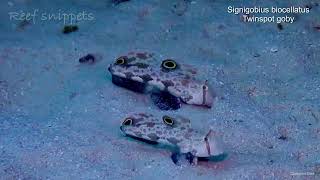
127	122
169	64
120	61
167	120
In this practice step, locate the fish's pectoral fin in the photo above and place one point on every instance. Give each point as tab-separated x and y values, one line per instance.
181	159
165	101
184	159
175	157
193	160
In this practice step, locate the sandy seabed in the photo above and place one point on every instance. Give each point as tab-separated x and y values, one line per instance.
60	119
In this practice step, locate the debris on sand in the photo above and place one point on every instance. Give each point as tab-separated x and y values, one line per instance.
22	25
280	26
116	2
317	28
70	28
274	49
283	133
87	59
180	7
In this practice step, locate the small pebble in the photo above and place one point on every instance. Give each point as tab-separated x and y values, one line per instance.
280	26
283	137
309	6
317	28
70	28
274	49
256	55
270	147
116	2
89	58
180	8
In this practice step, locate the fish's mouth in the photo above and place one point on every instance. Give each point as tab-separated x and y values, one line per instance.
122	130
110	68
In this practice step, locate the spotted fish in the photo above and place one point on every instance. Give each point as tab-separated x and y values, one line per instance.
168	81
175	131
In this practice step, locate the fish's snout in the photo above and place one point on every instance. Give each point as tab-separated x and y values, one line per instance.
123	130
110	68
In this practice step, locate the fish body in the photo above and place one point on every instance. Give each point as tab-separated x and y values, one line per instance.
174	131
167	78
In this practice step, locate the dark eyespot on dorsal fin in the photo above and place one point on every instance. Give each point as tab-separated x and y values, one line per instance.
129	83
165	101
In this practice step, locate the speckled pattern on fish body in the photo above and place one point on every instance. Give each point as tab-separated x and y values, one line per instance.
174	131
143	72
